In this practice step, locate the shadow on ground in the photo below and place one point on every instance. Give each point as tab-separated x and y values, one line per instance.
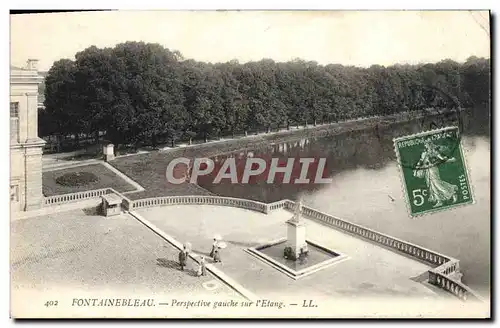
206	254
171	264
422	277
238	243
92	211
166	263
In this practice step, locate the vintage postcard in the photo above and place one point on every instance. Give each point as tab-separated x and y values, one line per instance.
250	164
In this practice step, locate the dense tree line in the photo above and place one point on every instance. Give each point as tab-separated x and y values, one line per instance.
140	93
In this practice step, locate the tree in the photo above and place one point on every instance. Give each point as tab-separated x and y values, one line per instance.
141	93
476	74
61	116
94	77
152	90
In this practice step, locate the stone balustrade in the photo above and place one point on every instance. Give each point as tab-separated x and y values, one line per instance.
396	244
452	266
441	275
85	195
199	200
455	287
277	205
75	197
126	202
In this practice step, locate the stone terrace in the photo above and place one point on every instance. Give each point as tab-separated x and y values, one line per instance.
84	252
370	270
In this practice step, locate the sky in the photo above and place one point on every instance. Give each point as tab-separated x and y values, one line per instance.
360	38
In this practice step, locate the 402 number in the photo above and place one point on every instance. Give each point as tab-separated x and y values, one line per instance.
51	303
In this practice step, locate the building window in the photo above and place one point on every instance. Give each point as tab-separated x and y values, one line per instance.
14	109
14	193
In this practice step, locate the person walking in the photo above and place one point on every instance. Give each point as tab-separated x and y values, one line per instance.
217	255
202	269
214	248
183	255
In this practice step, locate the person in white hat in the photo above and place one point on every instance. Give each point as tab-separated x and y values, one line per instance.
202	269
214	247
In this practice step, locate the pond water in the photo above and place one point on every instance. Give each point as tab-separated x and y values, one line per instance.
366	189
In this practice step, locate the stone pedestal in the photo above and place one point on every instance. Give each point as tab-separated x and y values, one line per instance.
33	177
111	205
296	236
109	152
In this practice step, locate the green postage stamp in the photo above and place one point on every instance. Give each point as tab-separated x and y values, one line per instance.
433	170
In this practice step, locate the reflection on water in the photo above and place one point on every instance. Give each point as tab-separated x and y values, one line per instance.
376	199
367	190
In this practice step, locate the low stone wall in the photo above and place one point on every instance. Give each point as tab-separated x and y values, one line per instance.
200	200
453	286
277	205
441	275
415	251
75	197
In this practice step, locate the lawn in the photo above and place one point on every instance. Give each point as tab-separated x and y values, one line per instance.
149	169
105	179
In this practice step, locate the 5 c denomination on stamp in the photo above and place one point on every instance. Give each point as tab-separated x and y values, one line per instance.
433	170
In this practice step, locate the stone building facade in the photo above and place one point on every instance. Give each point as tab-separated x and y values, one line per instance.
25	146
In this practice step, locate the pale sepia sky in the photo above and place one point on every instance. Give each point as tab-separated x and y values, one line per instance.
349	38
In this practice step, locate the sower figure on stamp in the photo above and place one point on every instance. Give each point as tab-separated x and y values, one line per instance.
428	169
